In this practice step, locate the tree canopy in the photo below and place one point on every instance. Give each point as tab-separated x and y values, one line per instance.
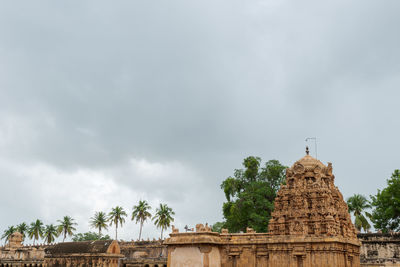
88	236
66	226
250	194
50	233
386	203
163	217
357	205
117	216
99	221
141	213
8	232
36	230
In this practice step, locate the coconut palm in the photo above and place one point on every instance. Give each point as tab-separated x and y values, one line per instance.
116	216
8	232
141	214
99	221
66	226
357	204
23	229
163	217
35	230
50	233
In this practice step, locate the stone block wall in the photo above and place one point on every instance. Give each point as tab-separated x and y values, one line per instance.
380	250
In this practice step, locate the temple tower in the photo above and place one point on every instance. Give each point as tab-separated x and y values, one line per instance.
310	204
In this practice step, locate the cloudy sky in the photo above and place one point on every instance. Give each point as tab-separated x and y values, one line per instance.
104	103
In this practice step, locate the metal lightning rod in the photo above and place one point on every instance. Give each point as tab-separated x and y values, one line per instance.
315	142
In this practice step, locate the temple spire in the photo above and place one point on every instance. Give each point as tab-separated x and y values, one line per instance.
307	151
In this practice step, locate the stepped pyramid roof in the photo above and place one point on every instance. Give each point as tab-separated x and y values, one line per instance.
309	204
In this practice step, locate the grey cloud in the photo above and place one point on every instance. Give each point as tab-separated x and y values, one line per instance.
91	85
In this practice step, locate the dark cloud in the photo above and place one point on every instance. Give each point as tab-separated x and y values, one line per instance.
92	90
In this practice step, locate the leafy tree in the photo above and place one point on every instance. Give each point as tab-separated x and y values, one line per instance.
50	233
8	232
357	204
163	217
250	194
116	216
141	214
99	221
217	227
88	236
23	229
66	226
35	230
386	205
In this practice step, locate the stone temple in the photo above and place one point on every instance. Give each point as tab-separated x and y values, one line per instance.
310	226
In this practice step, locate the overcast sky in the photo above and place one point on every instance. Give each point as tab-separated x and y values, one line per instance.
104	103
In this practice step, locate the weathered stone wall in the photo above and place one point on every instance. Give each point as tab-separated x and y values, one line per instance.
380	249
144	253
14	254
377	250
86	253
136	254
207	249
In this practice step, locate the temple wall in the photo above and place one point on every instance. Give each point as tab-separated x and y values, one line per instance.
377	250
260	250
380	250
187	256
15	257
196	256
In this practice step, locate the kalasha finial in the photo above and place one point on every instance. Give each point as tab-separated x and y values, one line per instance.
307	151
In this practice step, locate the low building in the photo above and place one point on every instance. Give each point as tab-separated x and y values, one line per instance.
86	253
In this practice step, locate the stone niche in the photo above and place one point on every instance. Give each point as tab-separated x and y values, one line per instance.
310	226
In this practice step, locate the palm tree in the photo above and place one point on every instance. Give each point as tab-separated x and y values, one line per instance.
163	217
99	221
50	233
141	214
8	232
116	216
66	226
357	204
35	231
23	229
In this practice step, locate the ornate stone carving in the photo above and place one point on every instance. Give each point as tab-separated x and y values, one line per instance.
310	203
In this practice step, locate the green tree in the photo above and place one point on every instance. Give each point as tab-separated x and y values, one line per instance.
35	230
250	194
357	205
386	205
163	217
117	215
99	221
66	226
217	227
50	233
89	236
8	232
141	213
23	229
